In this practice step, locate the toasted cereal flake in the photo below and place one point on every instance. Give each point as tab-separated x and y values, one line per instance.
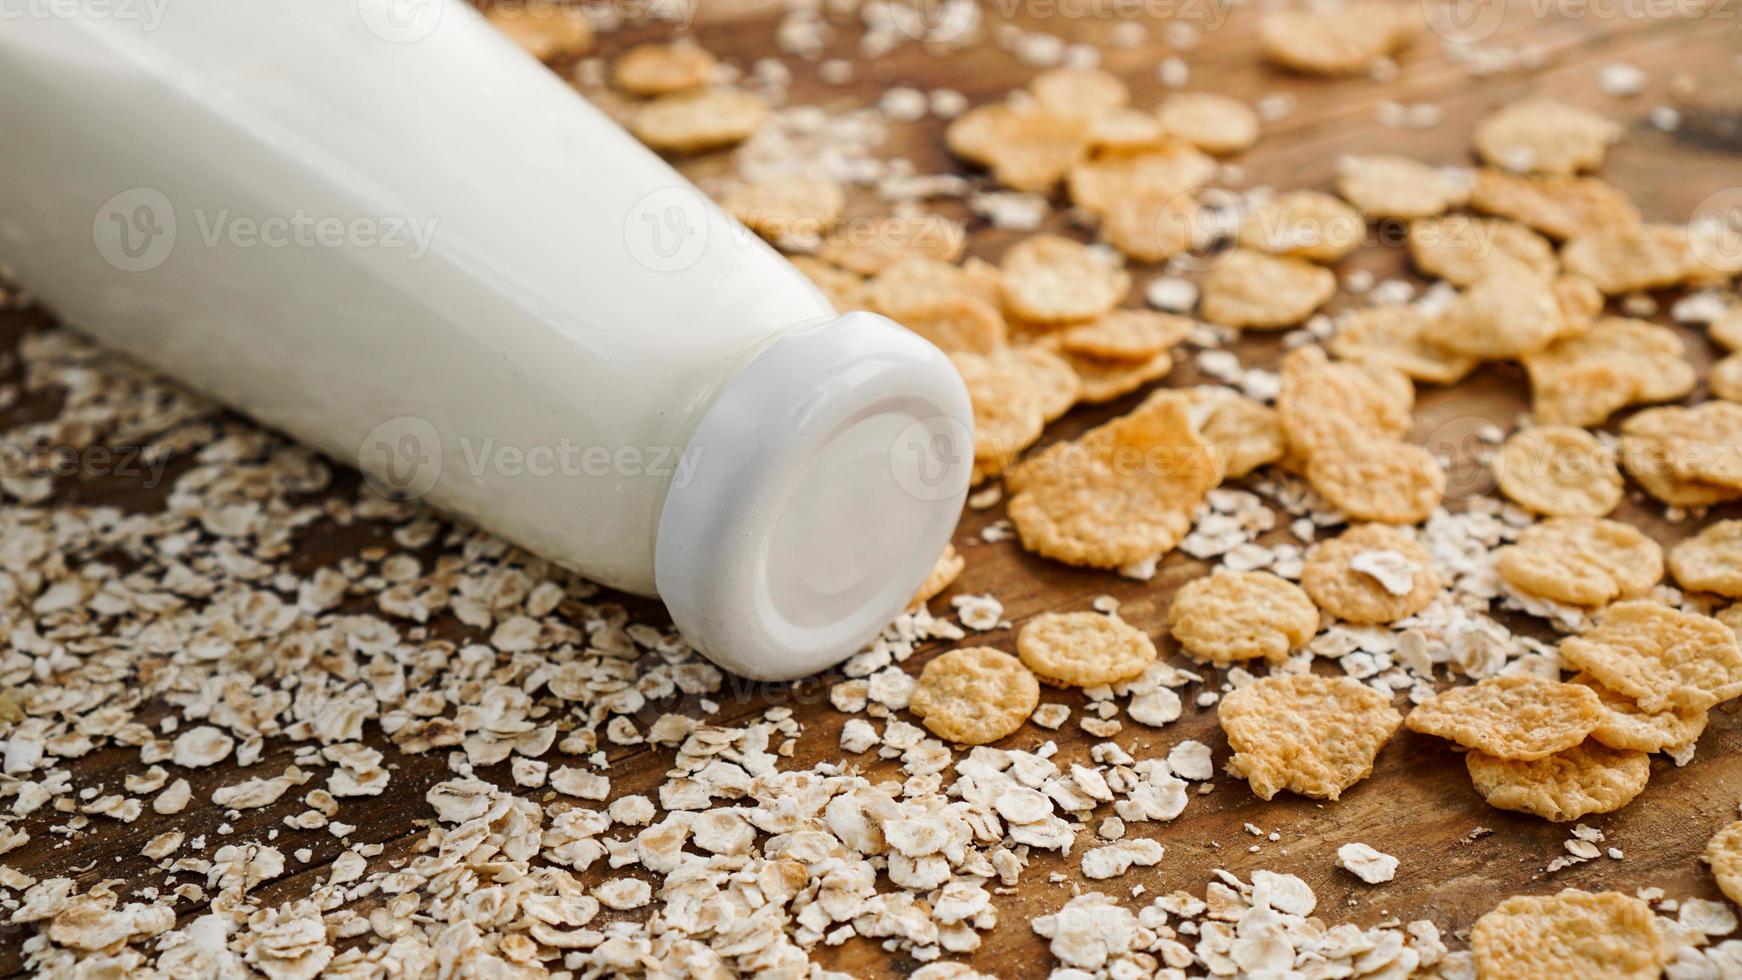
949	565
543	30
1582	561
1304	225
1542	136
1366	863
1079	91
1460	248
1027	148
1559	207
1385	186
1102	379
1255	291
1341	39
790	209
1710	561
1588	778
1624	725
1724	856
1123	493
1402	337
1380	479
1513	716
1313	735
1231	616
1242	433
1583	379
974	695
1705	443
869	248
1008	413
1083	649
1559	471
1125	129
1337	586
1323	403
1620	259
1509	312
660	69
1049	279
1726	330
1658	656
1151	228
1725	380
705	119
1156	173
1653	443
958	324
844	290
1210	121
1052	377
1129	335
1571	934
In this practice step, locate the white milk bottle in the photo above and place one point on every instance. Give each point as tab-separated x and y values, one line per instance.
380	227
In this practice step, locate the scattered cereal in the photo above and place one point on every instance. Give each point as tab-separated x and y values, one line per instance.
1582	561
1337	586
974	695
1316	736
705	119
1659	657
1559	471
1083	649
1588	778
1571	934
1514	716
1231	616
1542	136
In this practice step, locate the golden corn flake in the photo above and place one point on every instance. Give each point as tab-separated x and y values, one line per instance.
1008	413
704	119
1371	573
1726	330
1724	856
1324	403
957	323
1583	379
1126	335
1155	173
1125	128
1559	207
1588	778
1559	471
1028	148
1623	724
1083	649
917	283
543	30
1254	291
1231	616
1304	225
1580	303
1384	186
974	695
1401	336
1710	561
1705	443
1103	379
1242	433
1725	381
1079	91
1604	935
1213	123
869	247
1345	39
1050	279
1509	312
1542	136
1514	716
1054	381
1620	259
1379	479
1312	735
1653	444
1125	492
844	290
949	565
1582	561
788	210
660	69
1658	656
1461	249
1151	228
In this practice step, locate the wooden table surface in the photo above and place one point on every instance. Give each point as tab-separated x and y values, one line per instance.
1418	804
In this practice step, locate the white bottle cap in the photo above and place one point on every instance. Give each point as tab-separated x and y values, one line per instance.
824	481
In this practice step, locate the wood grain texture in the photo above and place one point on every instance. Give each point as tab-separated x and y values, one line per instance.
1418	804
